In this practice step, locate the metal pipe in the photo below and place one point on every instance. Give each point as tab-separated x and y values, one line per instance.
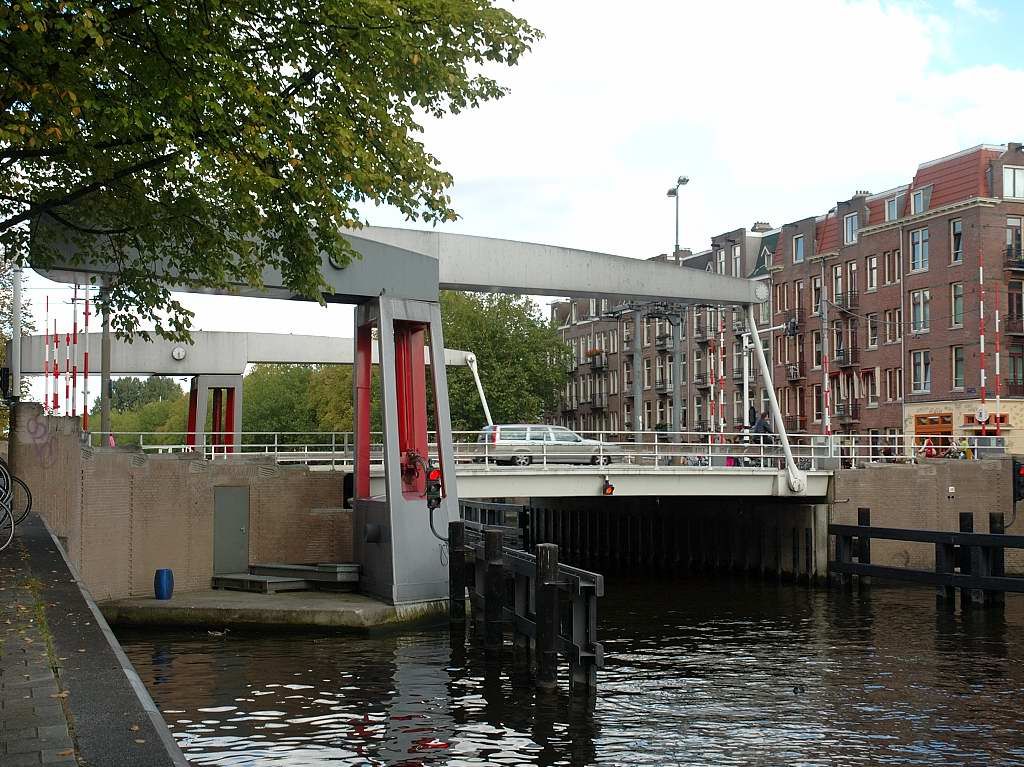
471	364
15	362
796	479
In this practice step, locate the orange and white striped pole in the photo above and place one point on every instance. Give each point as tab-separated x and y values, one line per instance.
85	370
55	410
46	357
74	353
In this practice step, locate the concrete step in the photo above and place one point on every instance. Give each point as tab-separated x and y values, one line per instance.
261	584
323	573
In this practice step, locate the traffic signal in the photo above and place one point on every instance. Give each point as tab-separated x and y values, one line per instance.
1018	480
433	489
607	488
791	327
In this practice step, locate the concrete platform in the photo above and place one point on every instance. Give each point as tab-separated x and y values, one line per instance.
218	609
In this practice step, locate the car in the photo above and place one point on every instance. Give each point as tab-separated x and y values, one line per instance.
521	444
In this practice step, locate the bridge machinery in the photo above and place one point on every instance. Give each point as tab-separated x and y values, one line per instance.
394	286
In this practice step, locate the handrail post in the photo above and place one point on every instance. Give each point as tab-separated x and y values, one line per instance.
494	589
545	587
457	571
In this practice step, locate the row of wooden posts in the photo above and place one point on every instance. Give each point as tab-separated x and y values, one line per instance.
550	608
966	560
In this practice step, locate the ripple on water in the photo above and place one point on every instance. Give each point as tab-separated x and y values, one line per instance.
699	671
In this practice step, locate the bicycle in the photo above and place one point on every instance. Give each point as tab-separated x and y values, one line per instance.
15	503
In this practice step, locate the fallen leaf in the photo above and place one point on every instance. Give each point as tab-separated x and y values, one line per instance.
139	740
134	728
67	752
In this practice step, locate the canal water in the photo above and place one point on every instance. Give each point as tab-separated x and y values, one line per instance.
699	671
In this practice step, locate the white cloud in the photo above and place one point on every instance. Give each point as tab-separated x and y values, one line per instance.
972	7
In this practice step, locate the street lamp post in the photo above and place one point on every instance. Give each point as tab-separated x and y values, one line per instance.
673	191
677	327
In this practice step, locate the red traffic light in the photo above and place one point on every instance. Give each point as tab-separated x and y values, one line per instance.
607	488
434	475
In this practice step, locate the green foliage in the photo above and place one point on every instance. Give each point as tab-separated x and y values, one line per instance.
222	138
7	329
276	399
133	393
522	361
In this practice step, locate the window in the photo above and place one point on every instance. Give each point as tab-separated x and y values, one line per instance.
850	228
816	295
1013	182
870	381
1016	371
816	344
798	297
837	282
921	362
872	270
956	241
721	261
918	250
647	331
647	373
920	310
817	403
956	304
737	408
872	331
851	277
918	202
660	372
1013	237
798	249
957	360
647	415
736	261
1014	301
890	384
892	208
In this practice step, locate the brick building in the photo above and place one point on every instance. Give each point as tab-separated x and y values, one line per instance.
885	292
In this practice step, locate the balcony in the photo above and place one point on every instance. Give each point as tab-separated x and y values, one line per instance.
627	345
1014	325
600	401
737	372
663	343
1014	257
795	372
599	361
795	315
848	356
663	386
847	412
702	380
1013	389
585	399
795	423
569	405
850	299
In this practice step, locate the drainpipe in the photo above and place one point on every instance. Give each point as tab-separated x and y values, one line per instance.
638	384
796	479
677	364
908	446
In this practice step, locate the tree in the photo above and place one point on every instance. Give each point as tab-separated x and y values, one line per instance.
521	359
133	393
276	399
223	138
7	329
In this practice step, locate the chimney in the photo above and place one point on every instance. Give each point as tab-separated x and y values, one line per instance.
761	226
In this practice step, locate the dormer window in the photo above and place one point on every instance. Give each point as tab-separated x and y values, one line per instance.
892	211
918	201
798	249
850	228
1013	183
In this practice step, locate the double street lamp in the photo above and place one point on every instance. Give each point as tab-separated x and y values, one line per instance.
673	191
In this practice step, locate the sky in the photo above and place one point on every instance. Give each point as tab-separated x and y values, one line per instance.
775	110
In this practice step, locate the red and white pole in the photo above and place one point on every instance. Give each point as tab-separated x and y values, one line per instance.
67	373
998	381
74	353
46	357
85	369
981	341
55	367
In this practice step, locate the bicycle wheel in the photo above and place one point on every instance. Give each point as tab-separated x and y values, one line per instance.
5	480
6	527
21	500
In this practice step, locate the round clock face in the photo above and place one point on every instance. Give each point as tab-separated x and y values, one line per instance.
761	292
178	353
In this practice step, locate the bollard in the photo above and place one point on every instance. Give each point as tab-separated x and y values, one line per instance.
546	603
457	571
494	589
965	560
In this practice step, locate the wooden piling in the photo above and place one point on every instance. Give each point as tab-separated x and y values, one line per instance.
494	588
546	605
864	546
457	572
964	559
997	557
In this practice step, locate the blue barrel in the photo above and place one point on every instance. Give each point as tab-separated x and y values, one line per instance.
163	583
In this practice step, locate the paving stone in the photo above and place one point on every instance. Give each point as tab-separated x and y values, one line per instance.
57	756
53	731
23	746
22	760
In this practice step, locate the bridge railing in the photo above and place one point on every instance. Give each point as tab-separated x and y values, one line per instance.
649	449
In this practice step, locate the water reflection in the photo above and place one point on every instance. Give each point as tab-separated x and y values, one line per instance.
699	672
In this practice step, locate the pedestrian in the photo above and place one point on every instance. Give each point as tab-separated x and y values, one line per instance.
927	448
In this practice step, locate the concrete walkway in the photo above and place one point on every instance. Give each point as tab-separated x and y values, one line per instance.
68	695
221	608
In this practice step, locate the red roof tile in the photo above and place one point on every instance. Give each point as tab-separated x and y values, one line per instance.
826	234
958	178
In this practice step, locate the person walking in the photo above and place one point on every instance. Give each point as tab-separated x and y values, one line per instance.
761	430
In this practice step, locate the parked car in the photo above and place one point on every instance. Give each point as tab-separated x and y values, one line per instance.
521	444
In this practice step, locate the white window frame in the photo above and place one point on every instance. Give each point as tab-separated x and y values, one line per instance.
1016	175
920	321
952	367
894	213
921	248
917	202
953	322
955	256
871	267
850	232
803	255
921	384
737	261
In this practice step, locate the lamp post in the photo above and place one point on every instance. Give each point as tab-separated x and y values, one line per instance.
673	191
